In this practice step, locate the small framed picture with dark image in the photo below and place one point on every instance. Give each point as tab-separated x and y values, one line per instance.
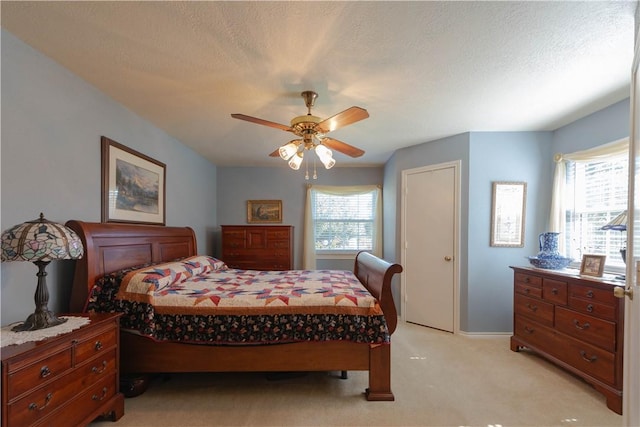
592	265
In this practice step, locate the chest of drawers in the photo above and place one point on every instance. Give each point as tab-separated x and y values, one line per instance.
66	380
255	247
573	321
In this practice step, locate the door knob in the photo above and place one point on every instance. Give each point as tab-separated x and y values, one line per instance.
620	292
447	258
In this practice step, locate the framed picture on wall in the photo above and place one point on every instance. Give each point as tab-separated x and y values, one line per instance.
264	211
133	185
507	214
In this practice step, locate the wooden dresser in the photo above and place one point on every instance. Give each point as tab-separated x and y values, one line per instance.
258	247
66	380
574	321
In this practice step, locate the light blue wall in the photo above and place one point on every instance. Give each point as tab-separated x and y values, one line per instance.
607	125
502	156
236	185
51	126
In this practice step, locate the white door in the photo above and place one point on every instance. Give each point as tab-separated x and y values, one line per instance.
631	387
429	234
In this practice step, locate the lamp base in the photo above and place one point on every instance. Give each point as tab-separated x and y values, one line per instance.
39	320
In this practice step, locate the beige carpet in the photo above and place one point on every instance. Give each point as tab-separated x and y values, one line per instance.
438	380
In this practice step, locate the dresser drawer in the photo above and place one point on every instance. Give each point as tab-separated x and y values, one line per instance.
534	334
554	291
593	294
278	244
535	309
278	234
528	279
98	368
85	402
592	360
45	400
526	289
97	344
593	308
37	373
599	332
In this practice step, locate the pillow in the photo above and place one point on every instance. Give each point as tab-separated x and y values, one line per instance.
158	276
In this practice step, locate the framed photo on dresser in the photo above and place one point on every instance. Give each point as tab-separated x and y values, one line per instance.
592	265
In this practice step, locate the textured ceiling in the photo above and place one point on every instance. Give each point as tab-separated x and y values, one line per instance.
423	70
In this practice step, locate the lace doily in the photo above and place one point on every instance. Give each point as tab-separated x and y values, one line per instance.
9	337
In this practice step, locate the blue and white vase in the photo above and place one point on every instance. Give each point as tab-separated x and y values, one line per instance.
549	245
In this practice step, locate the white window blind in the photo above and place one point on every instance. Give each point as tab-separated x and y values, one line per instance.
343	222
596	192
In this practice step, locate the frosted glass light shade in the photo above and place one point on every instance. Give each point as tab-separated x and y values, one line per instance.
326	156
296	161
288	150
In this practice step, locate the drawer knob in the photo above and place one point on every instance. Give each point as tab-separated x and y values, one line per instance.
527	280
590	308
98	345
584	356
45	372
589	293
98	398
529	330
532	307
98	370
580	326
554	291
34	406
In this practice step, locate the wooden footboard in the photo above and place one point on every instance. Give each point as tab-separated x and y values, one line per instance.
112	247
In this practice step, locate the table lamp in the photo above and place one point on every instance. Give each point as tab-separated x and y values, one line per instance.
618	223
40	241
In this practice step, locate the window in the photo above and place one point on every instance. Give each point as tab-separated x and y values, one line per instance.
595	192
342	221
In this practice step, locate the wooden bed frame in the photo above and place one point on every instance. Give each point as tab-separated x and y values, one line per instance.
111	247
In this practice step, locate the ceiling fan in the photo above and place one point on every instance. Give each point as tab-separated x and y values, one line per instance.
312	130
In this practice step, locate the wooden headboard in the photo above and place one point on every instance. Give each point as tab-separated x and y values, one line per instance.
110	247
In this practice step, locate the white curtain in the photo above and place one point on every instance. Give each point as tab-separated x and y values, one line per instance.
557	220
309	250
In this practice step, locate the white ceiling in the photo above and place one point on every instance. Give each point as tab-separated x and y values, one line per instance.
423	70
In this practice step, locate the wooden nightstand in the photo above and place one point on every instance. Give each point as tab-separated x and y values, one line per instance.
66	380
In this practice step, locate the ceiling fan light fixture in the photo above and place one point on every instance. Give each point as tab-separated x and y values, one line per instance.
312	129
296	161
288	150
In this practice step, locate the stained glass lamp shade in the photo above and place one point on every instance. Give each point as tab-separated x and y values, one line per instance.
40	241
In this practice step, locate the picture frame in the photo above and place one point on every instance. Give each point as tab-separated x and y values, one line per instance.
592	265
508	209
133	185
264	211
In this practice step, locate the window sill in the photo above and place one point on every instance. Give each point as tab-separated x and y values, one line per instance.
335	255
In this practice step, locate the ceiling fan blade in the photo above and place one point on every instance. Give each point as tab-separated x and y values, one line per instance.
262	122
342	147
342	119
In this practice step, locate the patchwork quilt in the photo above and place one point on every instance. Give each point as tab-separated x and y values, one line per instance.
200	300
